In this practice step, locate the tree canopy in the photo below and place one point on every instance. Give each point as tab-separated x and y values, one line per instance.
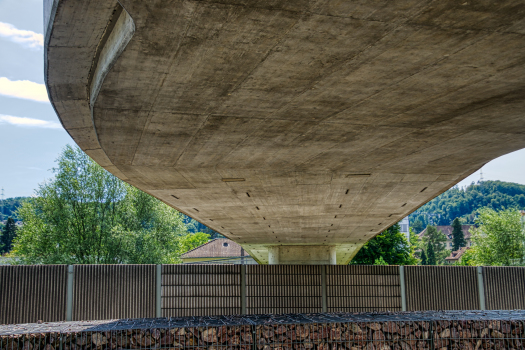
424	260
7	235
499	238
458	238
85	215
431	255
388	248
9	206
189	242
437	241
463	203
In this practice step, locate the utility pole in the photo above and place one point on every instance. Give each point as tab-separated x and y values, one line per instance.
2	198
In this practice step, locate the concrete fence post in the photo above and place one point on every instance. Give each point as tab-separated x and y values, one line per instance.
403	290
324	298
243	289
69	292
158	292
481	289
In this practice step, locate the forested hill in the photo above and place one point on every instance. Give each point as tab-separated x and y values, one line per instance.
463	203
9	206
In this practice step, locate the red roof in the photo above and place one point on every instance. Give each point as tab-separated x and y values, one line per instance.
456	255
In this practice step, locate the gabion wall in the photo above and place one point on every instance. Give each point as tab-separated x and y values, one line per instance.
389	335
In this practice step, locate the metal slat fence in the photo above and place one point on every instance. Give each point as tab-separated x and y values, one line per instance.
89	292
499	292
200	290
442	288
283	289
113	291
357	288
32	293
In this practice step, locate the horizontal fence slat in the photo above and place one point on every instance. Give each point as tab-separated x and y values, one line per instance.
355	288
200	290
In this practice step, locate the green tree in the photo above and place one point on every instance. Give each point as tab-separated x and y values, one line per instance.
8	234
85	215
458	238
192	241
431	256
9	206
390	245
463	203
499	237
414	240
467	259
380	261
424	258
417	226
437	240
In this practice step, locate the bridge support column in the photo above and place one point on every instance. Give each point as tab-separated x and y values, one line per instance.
302	255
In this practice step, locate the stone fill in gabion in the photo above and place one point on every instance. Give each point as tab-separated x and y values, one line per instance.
364	331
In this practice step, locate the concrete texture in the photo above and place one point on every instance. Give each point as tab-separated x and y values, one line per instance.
302	122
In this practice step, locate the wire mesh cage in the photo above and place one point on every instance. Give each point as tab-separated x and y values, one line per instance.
384	335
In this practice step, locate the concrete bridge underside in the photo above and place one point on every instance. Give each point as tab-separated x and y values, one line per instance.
301	128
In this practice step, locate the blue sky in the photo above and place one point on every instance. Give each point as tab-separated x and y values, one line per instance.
30	133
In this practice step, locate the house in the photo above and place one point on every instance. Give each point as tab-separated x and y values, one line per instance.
447	231
456	255
218	251
404	227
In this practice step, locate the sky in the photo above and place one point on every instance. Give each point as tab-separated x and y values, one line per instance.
31	136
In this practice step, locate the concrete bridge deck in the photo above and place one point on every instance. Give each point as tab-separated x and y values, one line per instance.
299	129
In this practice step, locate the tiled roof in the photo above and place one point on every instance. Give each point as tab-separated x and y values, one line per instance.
447	231
456	255
216	248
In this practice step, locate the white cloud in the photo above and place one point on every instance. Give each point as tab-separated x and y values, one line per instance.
25	38
23	89
29	122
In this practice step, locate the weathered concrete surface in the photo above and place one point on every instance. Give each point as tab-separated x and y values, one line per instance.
340	117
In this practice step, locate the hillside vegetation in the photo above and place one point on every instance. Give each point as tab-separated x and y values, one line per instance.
9	206
464	202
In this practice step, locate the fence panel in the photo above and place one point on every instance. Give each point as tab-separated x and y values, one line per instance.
504	288
33	293
201	290
355	288
441	288
281	289
102	292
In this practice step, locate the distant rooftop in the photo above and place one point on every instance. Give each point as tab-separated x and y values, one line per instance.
456	255
216	248
447	231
